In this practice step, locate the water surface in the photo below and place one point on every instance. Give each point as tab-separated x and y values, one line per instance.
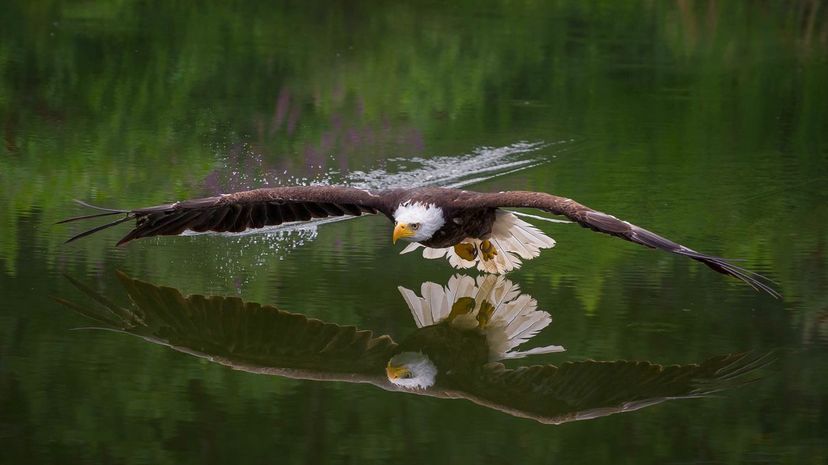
703	121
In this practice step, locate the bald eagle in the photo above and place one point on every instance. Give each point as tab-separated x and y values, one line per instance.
469	228
462	330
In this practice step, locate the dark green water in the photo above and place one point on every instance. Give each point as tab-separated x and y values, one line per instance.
704	121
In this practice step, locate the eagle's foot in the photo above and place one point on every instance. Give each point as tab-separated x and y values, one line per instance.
485	314
487	250
466	251
463	306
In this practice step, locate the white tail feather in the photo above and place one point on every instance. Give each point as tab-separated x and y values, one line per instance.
415	304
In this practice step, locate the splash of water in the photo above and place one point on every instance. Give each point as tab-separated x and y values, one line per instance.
449	171
482	164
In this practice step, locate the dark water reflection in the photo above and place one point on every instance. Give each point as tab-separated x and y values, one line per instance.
705	121
463	331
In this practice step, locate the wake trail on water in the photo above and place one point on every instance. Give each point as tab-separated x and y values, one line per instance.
455	171
482	164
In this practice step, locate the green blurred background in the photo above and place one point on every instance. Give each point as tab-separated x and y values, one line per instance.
705	121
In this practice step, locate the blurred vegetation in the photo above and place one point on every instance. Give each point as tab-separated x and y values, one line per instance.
95	96
703	120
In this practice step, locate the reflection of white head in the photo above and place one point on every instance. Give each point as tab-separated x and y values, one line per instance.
417	222
507	317
412	370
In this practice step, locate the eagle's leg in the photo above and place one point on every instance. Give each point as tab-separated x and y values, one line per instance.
487	250
466	251
485	314
461	307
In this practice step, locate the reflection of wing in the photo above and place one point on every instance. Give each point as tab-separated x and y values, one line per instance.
262	339
245	336
590	389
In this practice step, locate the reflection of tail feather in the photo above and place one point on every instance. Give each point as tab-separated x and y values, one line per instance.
514	320
518	321
514	239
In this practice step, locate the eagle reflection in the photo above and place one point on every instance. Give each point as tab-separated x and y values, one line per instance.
462	327
463	332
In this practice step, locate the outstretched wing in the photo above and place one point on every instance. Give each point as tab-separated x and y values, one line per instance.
243	335
608	224
243	210
590	389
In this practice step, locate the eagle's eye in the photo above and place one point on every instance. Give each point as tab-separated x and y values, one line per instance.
415	226
408	375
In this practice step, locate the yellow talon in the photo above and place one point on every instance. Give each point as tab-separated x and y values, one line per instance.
487	250
485	313
461	307
466	251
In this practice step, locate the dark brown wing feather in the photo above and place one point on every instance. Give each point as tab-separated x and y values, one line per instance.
244	210
591	389
608	224
243	335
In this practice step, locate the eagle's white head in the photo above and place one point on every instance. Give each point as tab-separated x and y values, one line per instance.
417	222
411	370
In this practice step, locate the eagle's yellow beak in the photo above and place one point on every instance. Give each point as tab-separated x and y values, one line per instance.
396	372
401	230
